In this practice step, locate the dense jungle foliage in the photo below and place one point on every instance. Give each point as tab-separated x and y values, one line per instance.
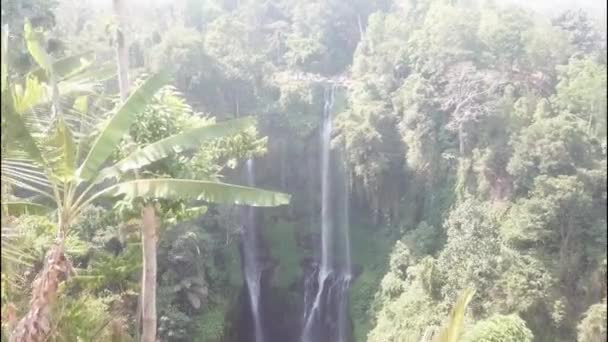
474	133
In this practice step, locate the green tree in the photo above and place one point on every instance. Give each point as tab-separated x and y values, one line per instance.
581	90
501	328
593	325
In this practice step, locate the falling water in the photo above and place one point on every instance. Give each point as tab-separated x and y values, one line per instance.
325	319
251	263
347	272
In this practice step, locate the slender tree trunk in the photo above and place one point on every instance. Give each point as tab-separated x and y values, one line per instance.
461	139
148	233
56	107
122	52
147	307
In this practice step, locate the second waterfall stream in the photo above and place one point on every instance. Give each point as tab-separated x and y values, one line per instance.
251	261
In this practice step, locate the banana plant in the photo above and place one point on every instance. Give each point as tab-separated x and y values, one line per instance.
54	174
76	76
67	172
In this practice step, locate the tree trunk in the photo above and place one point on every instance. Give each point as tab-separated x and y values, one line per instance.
148	234
147	307
461	139
122	53
35	326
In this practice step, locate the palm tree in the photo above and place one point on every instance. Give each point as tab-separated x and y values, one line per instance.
69	171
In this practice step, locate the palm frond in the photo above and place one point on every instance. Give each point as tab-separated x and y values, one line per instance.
11	251
20	134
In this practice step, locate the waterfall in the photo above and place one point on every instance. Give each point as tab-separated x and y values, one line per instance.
326	223
251	262
347	271
326	318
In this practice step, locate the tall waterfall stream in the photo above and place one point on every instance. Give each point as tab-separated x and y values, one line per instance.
251	265
325	317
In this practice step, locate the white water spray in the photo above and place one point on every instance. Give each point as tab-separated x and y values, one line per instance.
252	269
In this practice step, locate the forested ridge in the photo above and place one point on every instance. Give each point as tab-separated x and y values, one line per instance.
467	169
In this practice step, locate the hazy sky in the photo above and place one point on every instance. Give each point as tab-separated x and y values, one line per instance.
551	7
595	7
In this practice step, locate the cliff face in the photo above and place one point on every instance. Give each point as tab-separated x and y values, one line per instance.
288	248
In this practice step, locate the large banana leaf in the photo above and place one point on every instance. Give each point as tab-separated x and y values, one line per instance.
65	67
61	151
175	144
214	192
99	73
119	124
453	329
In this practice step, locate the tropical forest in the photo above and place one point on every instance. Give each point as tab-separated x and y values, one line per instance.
304	171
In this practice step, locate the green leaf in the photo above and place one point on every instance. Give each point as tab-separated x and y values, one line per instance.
453	329
24	208
118	125
175	144
81	104
35	45
214	192
61	152
29	98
